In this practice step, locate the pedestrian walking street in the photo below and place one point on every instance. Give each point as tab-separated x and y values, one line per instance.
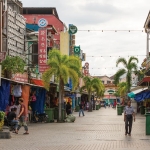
98	130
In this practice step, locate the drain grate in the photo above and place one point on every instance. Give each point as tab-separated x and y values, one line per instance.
145	139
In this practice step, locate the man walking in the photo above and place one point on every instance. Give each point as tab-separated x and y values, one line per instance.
128	118
22	117
81	109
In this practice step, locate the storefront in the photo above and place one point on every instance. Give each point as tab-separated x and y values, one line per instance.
12	90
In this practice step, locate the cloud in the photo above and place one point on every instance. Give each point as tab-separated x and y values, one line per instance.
103	15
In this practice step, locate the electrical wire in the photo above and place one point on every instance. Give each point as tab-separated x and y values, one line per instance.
118	56
89	30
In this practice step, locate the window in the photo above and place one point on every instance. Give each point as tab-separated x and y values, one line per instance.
103	82
108	82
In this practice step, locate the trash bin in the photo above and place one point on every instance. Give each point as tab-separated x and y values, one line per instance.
119	110
97	107
142	110
56	113
77	108
50	113
147	123
122	108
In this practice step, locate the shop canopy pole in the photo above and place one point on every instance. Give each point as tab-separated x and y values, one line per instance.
0	73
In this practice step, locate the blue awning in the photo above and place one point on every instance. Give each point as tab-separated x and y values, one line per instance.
142	96
133	93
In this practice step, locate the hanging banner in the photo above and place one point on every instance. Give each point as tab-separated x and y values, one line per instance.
42	50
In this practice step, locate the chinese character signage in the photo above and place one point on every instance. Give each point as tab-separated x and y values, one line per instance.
86	69
20	77
42	49
43	68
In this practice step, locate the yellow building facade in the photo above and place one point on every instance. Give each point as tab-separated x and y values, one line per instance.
64	43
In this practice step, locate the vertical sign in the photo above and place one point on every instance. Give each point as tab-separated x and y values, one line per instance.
42	50
86	69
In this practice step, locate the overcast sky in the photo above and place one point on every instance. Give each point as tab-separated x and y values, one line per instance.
103	15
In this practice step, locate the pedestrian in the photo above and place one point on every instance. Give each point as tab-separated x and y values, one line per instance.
115	103
105	105
68	108
129	115
81	105
13	118
22	117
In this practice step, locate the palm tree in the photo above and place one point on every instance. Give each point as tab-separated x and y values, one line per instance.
63	67
122	89
130	66
92	85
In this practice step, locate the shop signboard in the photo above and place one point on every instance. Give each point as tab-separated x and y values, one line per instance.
77	50
73	29
42	50
19	77
42	23
86	69
2	56
43	68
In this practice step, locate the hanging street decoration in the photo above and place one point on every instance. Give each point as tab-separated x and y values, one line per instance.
113	30
118	56
73	29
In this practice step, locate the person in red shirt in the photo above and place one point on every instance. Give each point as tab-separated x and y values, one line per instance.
22	117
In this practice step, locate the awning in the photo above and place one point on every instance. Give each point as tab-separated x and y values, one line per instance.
37	82
142	96
133	93
23	83
144	81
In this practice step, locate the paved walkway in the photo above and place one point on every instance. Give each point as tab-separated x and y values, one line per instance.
99	130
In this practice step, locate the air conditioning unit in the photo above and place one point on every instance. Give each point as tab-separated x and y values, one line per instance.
4	5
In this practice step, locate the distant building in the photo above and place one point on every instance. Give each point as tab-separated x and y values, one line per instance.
110	88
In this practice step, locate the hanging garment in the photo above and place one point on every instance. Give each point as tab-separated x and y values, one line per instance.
4	94
11	100
17	91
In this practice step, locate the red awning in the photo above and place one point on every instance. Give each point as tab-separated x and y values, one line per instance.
37	82
144	81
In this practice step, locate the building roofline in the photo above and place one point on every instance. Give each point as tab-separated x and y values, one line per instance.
34	8
146	19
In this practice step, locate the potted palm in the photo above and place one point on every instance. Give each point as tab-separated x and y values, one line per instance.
2	115
13	65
